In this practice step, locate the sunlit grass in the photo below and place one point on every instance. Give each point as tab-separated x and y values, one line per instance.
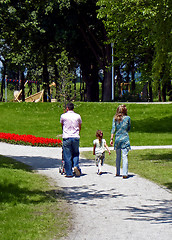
150	123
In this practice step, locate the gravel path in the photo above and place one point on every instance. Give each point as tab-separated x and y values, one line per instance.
104	207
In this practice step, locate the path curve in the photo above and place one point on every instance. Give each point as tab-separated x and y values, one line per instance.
104	207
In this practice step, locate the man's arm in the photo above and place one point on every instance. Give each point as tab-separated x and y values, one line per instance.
79	127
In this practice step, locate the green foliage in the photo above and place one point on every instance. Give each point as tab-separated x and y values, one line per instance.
65	79
141	30
30	208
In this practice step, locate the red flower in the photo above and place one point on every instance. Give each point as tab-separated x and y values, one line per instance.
30	139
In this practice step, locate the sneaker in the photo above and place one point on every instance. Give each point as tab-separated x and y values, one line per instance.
99	172
77	172
125	177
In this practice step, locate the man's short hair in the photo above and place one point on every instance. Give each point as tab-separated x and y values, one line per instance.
70	106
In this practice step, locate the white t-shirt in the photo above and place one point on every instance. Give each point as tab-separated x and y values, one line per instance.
100	146
71	122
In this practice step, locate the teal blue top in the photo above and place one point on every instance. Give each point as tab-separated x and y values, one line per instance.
122	128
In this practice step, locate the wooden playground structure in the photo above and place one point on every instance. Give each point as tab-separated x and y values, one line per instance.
37	97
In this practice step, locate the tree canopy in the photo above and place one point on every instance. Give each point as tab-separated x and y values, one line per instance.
141	32
35	34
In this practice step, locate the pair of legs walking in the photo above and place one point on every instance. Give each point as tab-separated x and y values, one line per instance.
124	161
71	155
99	162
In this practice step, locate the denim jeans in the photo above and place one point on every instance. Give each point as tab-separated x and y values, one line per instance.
71	154
124	161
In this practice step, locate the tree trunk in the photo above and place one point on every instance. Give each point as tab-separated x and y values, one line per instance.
159	92
133	85
22	86
90	77
3	80
150	92
164	86
56	82
128	77
107	82
92	85
46	79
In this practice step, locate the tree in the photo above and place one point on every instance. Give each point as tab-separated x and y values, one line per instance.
65	79
141	31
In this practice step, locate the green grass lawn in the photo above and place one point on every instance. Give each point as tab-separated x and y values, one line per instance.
155	165
151	124
30	208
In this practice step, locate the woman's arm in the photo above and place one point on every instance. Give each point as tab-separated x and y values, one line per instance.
112	132
129	124
111	139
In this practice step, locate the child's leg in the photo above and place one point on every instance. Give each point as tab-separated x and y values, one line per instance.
99	167
102	158
125	161
118	161
101	161
96	160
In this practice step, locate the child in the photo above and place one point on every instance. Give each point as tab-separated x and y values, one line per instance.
99	150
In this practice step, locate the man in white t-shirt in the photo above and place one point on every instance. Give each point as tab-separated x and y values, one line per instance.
71	126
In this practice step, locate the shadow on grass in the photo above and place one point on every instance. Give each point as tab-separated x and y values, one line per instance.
6	162
168	185
152	125
14	194
163	157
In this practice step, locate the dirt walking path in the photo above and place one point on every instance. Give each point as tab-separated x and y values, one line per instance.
106	206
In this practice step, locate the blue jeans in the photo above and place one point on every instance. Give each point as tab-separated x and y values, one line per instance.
71	154
124	161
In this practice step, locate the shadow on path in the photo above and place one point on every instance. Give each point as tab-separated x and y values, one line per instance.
86	194
156	214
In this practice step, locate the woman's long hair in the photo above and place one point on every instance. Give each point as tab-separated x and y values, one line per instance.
120	112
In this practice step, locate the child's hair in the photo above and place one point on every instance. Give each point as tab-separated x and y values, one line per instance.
120	112
99	134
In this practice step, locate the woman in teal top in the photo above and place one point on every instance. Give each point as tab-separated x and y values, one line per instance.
121	125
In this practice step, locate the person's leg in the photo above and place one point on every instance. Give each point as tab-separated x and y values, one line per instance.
99	167
125	162
96	160
67	155
102	158
75	155
118	161
100	164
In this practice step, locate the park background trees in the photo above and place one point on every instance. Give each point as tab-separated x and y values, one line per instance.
34	34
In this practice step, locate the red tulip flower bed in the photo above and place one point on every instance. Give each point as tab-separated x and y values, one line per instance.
29	140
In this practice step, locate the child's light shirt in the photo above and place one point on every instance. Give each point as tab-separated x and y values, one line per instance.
100	146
